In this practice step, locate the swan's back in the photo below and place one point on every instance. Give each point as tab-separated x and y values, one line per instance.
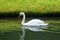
35	21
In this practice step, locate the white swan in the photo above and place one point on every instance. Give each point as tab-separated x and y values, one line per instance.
34	24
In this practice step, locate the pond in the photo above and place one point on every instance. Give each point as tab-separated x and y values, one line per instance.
10	29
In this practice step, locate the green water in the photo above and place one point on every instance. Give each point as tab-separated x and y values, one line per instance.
10	30
14	35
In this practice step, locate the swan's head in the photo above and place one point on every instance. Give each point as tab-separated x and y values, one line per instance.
21	13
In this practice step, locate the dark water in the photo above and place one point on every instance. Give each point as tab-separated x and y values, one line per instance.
15	35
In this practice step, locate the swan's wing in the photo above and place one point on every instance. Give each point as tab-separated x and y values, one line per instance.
35	21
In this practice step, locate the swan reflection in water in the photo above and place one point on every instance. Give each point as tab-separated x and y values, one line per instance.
33	25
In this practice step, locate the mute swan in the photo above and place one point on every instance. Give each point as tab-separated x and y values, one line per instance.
34	24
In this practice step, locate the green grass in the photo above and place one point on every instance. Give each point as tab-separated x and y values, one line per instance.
15	24
42	6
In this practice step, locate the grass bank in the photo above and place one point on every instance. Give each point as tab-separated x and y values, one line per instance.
42	6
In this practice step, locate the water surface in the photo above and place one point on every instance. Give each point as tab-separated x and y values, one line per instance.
10	29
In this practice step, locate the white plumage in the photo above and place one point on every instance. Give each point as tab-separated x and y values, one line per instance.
35	22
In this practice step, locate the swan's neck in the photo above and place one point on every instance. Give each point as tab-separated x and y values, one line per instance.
23	20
